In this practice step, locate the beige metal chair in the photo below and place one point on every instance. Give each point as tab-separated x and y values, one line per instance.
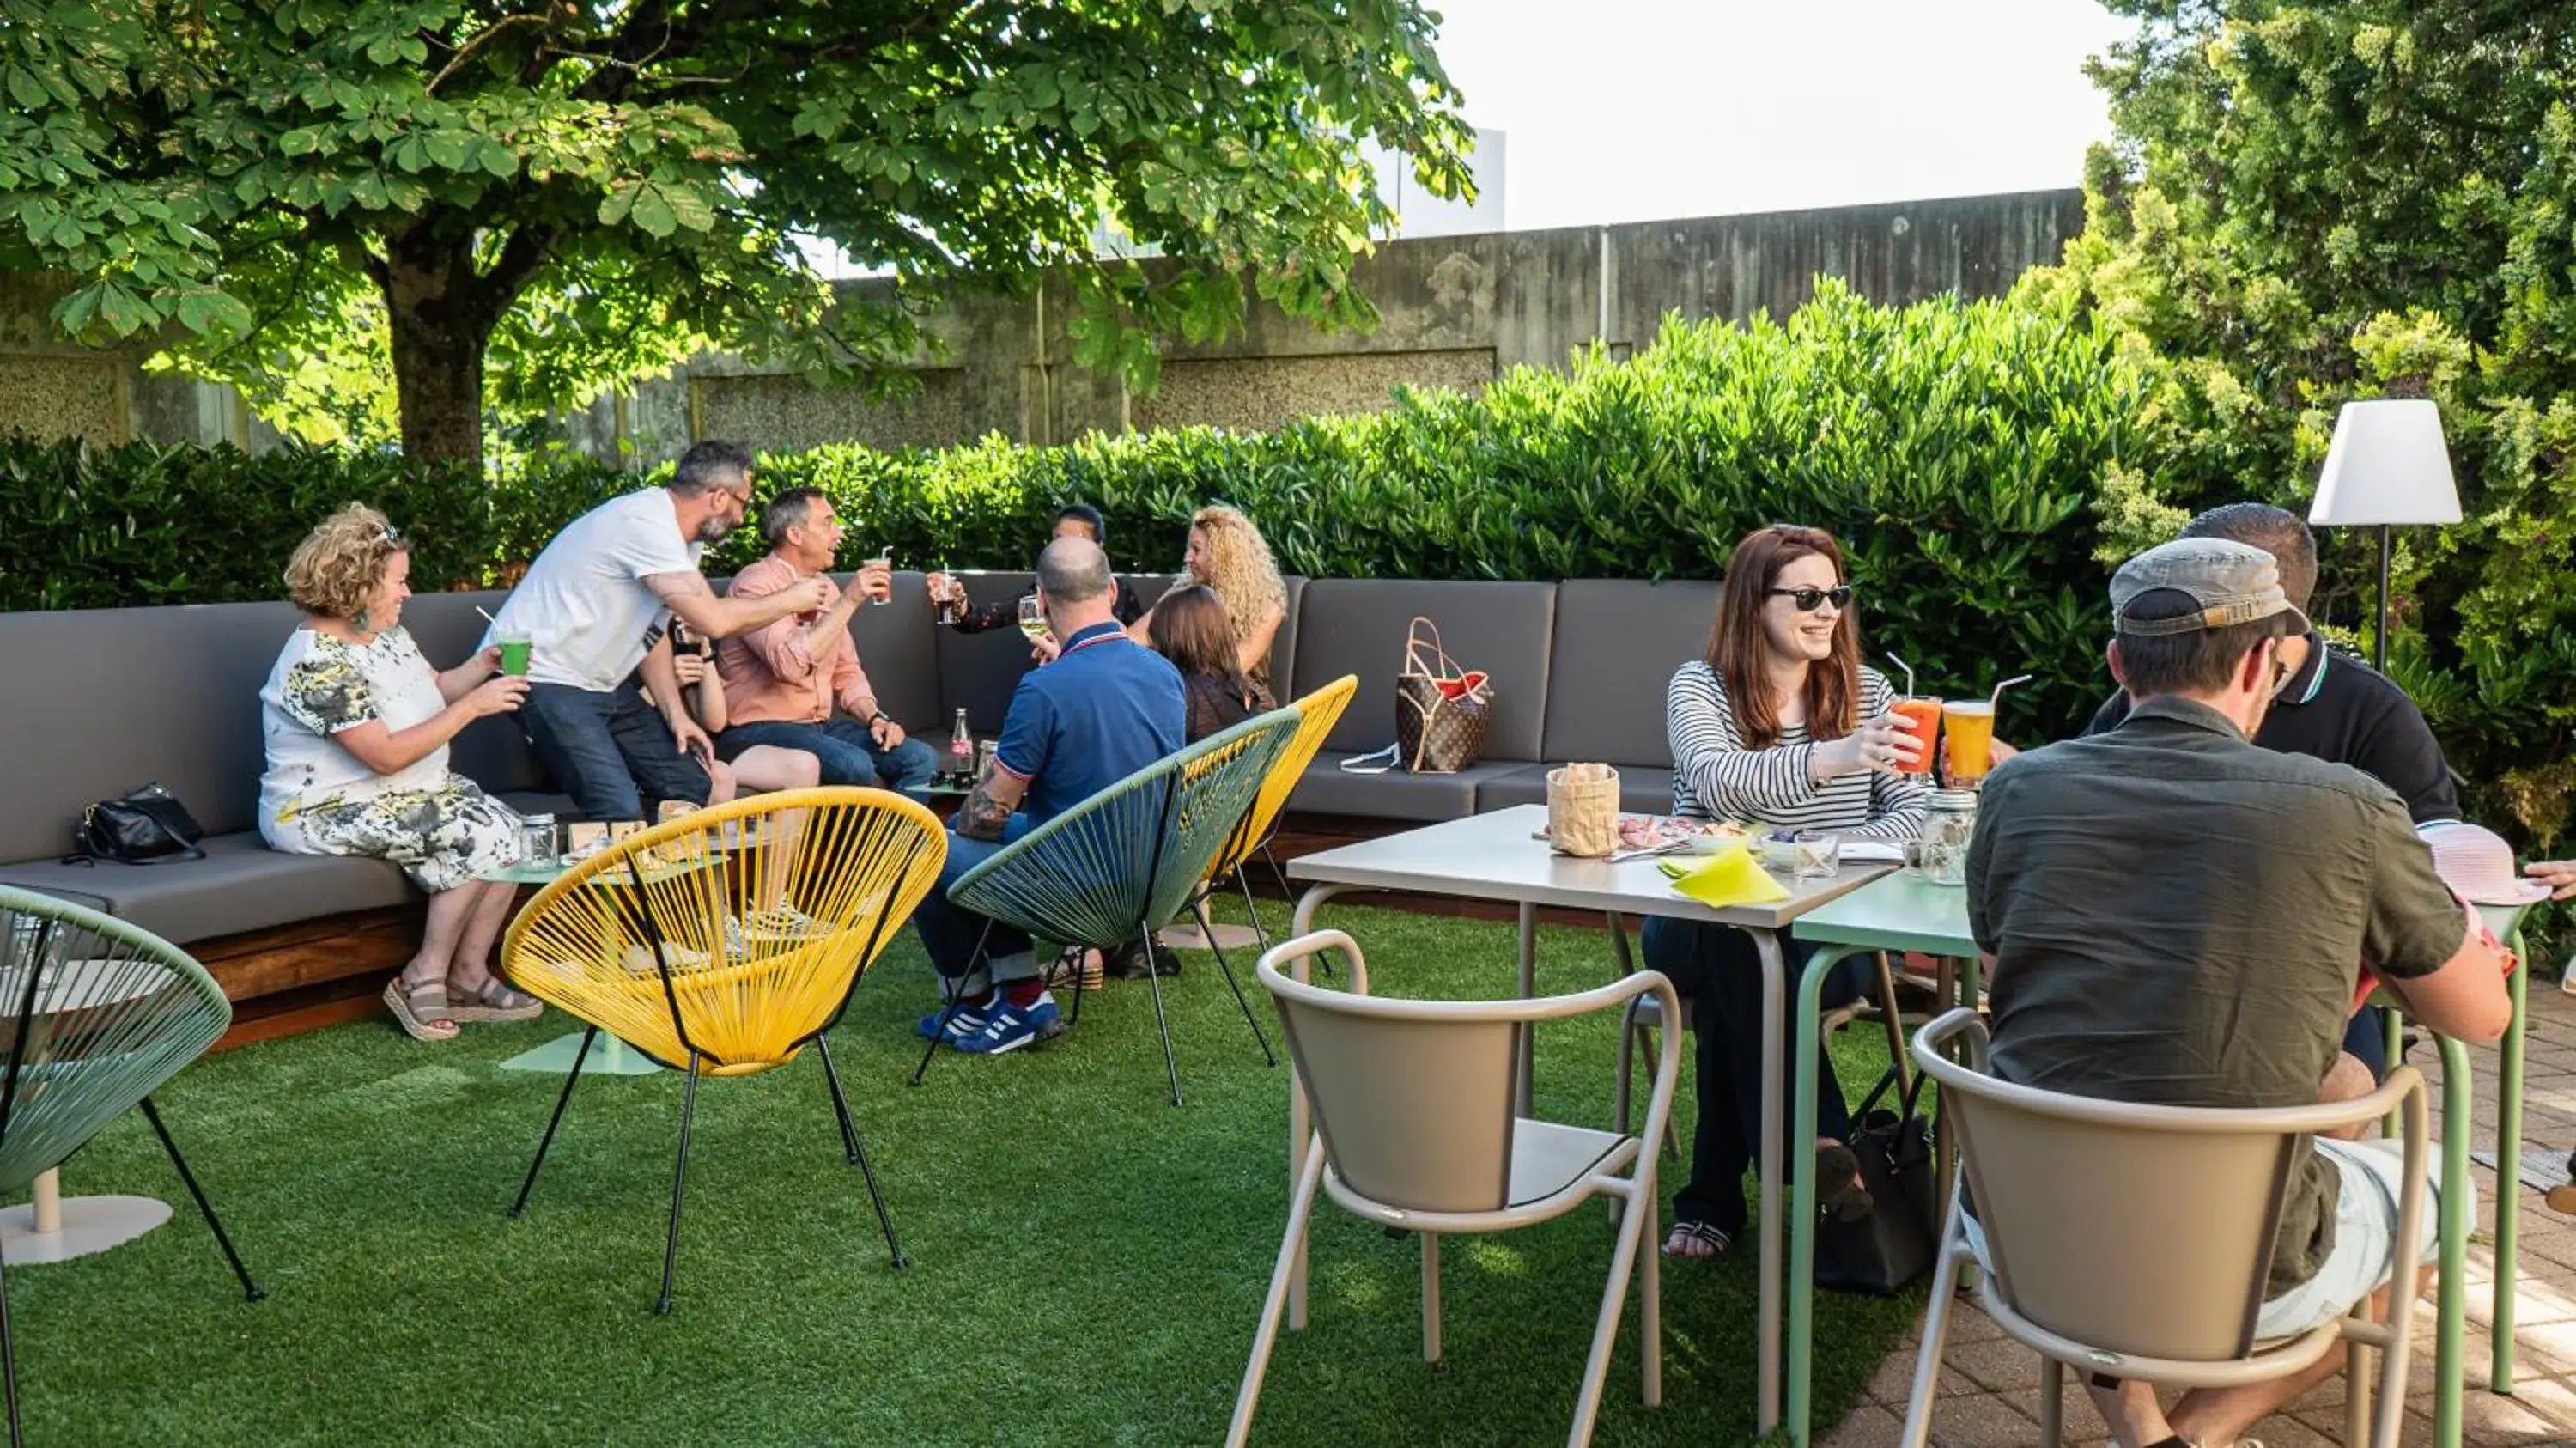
2135	1240
1414	1128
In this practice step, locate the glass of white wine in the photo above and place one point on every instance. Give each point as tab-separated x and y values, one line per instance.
1033	619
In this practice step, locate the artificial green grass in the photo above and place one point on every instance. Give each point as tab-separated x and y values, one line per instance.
1087	1261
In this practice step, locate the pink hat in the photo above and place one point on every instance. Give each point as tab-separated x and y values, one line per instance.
2478	865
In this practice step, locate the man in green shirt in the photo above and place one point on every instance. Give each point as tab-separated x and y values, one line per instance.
2171	915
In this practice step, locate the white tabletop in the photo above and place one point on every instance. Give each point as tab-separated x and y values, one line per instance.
1494	857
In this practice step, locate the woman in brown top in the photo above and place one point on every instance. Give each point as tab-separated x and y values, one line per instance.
1189	627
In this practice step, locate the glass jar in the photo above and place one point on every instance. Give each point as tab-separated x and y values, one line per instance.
537	839
1940	853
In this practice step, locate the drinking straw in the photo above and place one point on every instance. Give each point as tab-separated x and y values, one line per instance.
1909	671
1996	699
487	615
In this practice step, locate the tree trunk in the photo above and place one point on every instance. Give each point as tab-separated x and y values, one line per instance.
438	342
441	312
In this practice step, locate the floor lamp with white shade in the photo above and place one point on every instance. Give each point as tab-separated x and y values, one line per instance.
2388	465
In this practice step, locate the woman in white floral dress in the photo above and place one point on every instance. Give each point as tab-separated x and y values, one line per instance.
357	727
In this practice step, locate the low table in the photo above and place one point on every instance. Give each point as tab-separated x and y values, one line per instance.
1494	857
1900	913
555	1058
50	1228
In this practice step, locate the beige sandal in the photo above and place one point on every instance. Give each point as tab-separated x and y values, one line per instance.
493	1000
420	1008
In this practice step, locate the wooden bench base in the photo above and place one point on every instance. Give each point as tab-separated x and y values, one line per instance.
311	974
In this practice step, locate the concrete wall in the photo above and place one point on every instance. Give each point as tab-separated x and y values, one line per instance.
56	389
1456	311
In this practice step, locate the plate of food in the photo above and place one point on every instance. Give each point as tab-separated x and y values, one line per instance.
1644	834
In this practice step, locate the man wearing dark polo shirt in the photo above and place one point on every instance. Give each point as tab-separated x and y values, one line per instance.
2171	915
2331	707
1105	708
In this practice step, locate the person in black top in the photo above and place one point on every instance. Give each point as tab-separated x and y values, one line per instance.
1077	520
2332	707
1189	628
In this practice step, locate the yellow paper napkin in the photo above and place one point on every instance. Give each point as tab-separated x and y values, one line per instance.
1729	877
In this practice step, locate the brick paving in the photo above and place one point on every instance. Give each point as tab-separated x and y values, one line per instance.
1989	1385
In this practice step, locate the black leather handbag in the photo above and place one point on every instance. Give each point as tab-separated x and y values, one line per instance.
147	826
1885	1251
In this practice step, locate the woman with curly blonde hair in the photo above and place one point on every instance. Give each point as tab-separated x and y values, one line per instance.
1229	556
357	726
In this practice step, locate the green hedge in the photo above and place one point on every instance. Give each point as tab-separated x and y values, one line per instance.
1974	456
149	524
1957	449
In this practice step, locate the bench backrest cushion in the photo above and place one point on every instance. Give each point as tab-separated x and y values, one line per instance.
105	700
1617	645
1357	626
901	656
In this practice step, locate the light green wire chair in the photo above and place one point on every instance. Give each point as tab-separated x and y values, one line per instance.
97	1014
1127	861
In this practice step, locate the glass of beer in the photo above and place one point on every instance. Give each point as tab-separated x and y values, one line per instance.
1919	716
1970	724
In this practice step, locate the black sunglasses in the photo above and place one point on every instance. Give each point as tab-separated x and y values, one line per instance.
1808	600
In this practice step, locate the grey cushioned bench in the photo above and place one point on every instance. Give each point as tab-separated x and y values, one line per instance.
117	698
1616	647
1579	671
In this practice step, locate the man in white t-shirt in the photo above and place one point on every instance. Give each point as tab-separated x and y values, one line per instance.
596	605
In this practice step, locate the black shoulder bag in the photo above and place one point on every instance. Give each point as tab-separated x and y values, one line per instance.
147	826
1885	1251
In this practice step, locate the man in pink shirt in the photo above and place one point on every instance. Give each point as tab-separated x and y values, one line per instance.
782	681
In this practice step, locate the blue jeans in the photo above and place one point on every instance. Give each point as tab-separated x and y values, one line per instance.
848	753
1718	974
949	931
2366	1037
611	752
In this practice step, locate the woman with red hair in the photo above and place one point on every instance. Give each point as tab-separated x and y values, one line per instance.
1779	726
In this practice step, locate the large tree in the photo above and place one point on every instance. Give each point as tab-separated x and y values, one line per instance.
577	191
2312	202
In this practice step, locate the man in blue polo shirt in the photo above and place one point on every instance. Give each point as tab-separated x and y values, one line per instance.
1104	709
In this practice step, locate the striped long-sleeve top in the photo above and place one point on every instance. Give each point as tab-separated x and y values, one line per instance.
1716	777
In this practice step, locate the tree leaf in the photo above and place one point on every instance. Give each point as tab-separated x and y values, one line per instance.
653	212
690	209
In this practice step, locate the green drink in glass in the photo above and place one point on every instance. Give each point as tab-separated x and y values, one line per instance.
514	657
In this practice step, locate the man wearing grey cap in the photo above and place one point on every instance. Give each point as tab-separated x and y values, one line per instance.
2171	915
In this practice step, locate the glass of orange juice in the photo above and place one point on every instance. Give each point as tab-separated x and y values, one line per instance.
1919	716
1970	724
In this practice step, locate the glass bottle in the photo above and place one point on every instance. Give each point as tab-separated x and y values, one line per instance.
952	595
961	752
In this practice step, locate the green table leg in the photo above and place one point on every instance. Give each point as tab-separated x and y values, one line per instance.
2451	1317
2508	1207
1797	1138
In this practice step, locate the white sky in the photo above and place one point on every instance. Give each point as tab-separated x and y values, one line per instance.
1636	110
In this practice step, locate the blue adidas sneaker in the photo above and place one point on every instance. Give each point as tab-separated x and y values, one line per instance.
1012	1027
969	1022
